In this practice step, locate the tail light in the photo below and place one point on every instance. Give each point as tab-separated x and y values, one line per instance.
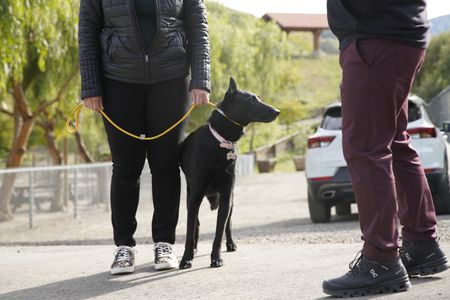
422	132
318	142
320	179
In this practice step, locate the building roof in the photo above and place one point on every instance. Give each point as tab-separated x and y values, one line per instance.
298	22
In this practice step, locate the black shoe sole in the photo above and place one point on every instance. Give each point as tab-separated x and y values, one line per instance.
430	268
394	286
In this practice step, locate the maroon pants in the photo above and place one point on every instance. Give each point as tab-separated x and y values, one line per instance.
386	173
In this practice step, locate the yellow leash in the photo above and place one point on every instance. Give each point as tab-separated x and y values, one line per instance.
74	115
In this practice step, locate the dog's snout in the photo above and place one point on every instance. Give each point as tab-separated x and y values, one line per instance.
271	113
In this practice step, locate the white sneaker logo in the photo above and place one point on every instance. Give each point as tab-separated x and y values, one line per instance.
408	258
374	274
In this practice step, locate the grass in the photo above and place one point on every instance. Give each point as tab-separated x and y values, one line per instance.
320	80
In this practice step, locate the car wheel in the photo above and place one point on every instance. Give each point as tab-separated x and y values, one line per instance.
319	211
343	209
442	196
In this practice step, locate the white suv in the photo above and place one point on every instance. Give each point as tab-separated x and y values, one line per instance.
326	171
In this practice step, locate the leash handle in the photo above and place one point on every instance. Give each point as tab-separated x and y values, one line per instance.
74	116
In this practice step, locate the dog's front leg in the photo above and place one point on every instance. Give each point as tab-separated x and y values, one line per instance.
188	256
231	246
222	217
196	235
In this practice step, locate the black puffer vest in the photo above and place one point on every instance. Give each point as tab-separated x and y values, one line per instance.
112	46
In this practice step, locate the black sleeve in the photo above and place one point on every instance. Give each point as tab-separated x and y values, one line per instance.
89	28
196	24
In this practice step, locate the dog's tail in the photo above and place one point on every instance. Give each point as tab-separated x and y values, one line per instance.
213	201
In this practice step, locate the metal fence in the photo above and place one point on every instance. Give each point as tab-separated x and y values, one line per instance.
42	189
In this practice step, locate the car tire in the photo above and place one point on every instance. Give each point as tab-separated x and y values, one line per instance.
442	196
343	209
319	211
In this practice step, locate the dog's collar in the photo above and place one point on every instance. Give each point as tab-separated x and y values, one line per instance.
231	155
228	118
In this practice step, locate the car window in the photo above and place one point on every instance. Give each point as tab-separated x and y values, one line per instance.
414	112
332	119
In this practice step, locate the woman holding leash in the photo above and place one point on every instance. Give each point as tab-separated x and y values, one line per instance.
135	60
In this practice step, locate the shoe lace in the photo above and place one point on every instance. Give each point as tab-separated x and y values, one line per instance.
403	249
163	249
123	254
354	264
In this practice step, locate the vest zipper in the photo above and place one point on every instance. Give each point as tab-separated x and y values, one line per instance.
156	35
141	41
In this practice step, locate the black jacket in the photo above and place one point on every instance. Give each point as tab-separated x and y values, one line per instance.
404	21
111	44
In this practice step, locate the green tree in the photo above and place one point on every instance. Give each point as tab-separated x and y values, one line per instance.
292	113
434	75
38	58
255	53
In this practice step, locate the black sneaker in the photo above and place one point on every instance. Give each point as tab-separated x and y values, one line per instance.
123	261
369	277
423	258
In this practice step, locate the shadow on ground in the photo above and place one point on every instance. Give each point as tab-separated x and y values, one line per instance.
96	285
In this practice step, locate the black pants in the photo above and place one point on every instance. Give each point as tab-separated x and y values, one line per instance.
149	110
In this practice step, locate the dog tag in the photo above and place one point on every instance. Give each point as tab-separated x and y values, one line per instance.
231	155
142	136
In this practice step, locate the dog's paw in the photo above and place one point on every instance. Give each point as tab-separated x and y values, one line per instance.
185	264
231	247
216	263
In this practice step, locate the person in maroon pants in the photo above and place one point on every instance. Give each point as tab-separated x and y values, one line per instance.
382	46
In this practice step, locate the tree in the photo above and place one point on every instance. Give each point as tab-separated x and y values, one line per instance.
292	113
434	75
255	53
39	61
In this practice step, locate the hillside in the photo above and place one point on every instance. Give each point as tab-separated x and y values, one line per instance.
440	25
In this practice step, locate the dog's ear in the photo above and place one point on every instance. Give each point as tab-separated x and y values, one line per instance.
232	87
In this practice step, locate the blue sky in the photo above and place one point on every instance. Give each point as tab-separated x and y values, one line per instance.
259	7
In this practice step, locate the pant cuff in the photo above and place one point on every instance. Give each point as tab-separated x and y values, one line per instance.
412	236
377	254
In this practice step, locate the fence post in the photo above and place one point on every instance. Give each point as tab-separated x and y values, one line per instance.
30	199
75	195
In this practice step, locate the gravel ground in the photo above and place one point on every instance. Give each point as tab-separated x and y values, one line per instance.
277	271
281	254
269	208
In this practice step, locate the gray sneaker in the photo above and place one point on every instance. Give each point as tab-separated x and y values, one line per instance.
165	259
123	260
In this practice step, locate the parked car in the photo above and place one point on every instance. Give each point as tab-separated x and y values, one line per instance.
326	171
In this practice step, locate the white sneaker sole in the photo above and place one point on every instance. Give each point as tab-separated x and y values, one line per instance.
125	270
167	266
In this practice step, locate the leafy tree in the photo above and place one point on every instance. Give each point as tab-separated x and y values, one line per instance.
255	53
292	113
434	75
38	58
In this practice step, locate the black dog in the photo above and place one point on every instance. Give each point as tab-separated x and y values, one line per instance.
208	160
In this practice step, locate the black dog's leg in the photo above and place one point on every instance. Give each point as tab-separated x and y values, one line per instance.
231	246
222	217
196	235
188	256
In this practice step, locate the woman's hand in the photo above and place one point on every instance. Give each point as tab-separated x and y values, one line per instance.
94	103
199	96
